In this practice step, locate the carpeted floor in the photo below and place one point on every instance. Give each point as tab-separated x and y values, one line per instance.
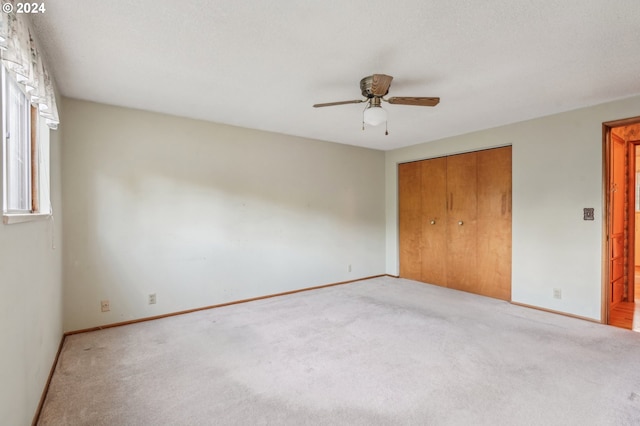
377	352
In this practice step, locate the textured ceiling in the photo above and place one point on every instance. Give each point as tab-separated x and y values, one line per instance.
262	64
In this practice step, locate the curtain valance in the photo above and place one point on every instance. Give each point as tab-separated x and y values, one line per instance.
20	56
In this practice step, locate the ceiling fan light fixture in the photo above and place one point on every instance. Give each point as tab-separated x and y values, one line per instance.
374	115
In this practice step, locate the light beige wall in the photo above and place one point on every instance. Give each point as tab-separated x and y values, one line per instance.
557	171
202	213
30	304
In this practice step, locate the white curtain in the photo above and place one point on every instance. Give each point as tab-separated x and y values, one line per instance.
19	54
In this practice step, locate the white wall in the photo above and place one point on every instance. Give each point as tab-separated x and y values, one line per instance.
202	213
557	171
30	304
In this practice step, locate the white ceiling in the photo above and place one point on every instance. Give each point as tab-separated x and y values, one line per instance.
262	64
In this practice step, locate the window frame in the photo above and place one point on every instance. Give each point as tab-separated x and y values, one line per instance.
38	145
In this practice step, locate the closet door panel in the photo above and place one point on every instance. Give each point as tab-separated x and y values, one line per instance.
494	223
434	223
409	217
461	204
455	222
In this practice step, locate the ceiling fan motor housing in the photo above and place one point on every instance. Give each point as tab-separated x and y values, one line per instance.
366	86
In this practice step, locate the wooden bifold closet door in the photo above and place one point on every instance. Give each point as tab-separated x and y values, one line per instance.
455	221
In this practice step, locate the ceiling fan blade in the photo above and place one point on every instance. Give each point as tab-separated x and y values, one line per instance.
417	101
380	84
357	101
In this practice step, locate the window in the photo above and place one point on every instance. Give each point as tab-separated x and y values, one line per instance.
25	154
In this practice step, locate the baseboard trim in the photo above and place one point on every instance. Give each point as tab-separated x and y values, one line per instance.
36	417
551	311
235	302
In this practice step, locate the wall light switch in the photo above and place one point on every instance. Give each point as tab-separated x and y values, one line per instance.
588	213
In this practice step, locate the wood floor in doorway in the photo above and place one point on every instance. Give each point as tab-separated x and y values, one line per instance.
627	314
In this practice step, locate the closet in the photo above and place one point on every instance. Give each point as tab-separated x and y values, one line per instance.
455	221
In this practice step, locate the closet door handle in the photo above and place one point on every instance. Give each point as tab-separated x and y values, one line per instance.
433	222
460	223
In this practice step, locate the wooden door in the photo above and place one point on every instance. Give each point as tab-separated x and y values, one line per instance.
455	222
434	221
630	229
410	217
637	240
616	224
462	206
494	223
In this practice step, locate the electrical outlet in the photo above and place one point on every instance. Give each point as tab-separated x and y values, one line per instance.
152	299
104	306
557	293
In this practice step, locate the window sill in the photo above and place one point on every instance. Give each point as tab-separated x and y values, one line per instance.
11	218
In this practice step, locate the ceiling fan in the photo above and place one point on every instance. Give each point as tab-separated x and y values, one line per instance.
374	88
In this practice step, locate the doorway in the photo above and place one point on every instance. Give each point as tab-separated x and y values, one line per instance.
621	286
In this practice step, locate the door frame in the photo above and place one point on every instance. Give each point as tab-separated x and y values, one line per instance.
631	223
606	175
632	145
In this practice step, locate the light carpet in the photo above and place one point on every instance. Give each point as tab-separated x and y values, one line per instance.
383	351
